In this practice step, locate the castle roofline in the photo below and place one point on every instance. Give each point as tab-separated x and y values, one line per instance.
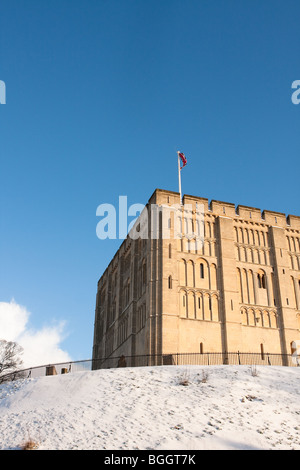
243	211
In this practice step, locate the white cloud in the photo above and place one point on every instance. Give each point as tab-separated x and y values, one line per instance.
40	346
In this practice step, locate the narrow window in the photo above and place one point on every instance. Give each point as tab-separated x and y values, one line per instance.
259	281
170	250
183	300
170	282
199	302
202	271
287	301
231	304
201	348
262	352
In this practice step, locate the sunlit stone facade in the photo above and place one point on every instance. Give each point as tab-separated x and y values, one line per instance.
234	288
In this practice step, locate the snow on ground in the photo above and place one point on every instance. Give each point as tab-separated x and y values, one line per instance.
148	408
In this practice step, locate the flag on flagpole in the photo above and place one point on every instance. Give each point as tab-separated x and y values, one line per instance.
183	159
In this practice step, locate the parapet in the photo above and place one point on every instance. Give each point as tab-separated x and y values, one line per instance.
294	221
193	200
247	212
274	218
228	209
223	208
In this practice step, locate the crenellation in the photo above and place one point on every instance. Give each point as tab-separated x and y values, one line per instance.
199	201
251	213
274	218
223	208
294	221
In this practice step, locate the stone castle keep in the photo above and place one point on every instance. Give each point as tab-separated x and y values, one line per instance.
237	290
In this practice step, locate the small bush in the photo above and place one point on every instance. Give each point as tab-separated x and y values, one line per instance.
29	445
204	376
254	372
184	379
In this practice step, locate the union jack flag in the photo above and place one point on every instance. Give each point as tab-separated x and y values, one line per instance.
183	159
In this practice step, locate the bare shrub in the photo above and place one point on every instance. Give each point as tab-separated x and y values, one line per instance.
29	445
184	379
253	370
204	376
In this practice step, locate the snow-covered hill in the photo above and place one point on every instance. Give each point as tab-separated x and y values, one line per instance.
219	407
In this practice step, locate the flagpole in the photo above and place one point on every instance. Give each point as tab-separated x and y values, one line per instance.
179	177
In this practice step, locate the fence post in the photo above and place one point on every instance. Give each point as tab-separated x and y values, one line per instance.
239	358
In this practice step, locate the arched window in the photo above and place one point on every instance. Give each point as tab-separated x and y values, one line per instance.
184	304
261	279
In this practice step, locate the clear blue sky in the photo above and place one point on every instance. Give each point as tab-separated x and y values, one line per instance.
100	95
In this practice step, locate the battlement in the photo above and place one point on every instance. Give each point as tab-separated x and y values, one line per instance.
228	209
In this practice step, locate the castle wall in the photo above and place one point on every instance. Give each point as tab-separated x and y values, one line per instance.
234	285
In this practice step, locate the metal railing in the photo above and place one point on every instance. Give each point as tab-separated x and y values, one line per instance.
203	359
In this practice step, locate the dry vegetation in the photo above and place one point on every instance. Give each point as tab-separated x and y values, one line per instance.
29	445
